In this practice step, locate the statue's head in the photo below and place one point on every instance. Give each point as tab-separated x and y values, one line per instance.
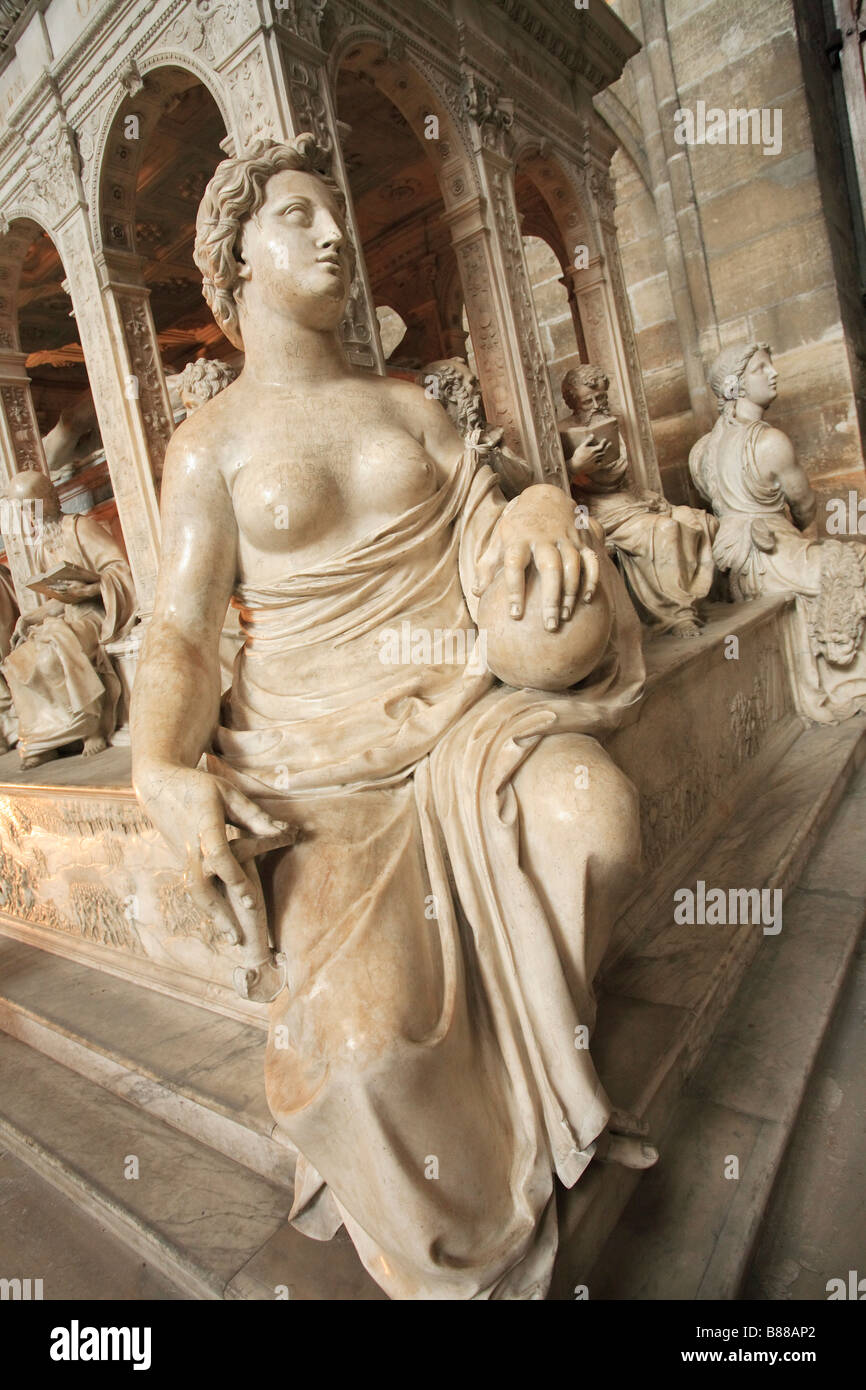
458	390
271	230
203	379
584	390
744	371
32	485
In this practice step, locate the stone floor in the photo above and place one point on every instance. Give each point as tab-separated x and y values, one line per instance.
816	1224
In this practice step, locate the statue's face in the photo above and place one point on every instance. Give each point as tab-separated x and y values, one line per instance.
589	400
294	250
760	379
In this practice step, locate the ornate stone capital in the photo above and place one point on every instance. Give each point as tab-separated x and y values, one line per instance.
53	169
490	114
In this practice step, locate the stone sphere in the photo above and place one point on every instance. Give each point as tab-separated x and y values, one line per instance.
521	652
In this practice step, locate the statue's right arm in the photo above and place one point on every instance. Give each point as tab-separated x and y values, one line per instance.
176	697
175	703
776	457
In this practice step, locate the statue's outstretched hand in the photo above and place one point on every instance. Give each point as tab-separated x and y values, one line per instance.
539	527
194	811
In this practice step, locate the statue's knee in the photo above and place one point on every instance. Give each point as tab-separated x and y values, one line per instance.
575	780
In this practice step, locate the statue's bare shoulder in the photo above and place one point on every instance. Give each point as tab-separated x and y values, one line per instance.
774	453
426	419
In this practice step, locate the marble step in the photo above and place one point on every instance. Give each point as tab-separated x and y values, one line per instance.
45	1235
688	1231
663	999
200	1072
193	1214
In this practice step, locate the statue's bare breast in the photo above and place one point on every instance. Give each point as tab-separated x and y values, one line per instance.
309	478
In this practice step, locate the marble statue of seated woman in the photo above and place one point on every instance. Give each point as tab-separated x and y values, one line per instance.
461	847
665	551
748	472
63	686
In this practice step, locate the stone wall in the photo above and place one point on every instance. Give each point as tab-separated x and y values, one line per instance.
765	240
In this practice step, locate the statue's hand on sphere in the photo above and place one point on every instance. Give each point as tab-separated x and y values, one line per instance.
192	808
538	527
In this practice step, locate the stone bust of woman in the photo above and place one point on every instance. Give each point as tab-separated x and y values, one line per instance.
748	471
462	846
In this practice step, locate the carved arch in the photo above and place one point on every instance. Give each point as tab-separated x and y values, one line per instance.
417	95
556	185
23	224
116	161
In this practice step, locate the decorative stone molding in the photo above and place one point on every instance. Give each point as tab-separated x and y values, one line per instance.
20	418
491	114
53	171
249	88
212	29
531	354
147	371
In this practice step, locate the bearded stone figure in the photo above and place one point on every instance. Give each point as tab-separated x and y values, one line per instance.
458	390
665	551
748	472
461	847
62	682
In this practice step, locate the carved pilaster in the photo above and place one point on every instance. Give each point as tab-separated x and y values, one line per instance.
508	317
145	382
20	447
116	349
607	323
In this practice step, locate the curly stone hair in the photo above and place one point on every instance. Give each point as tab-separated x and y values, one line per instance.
727	371
584	375
235	193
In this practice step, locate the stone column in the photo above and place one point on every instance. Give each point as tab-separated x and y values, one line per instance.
129	395
489	247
